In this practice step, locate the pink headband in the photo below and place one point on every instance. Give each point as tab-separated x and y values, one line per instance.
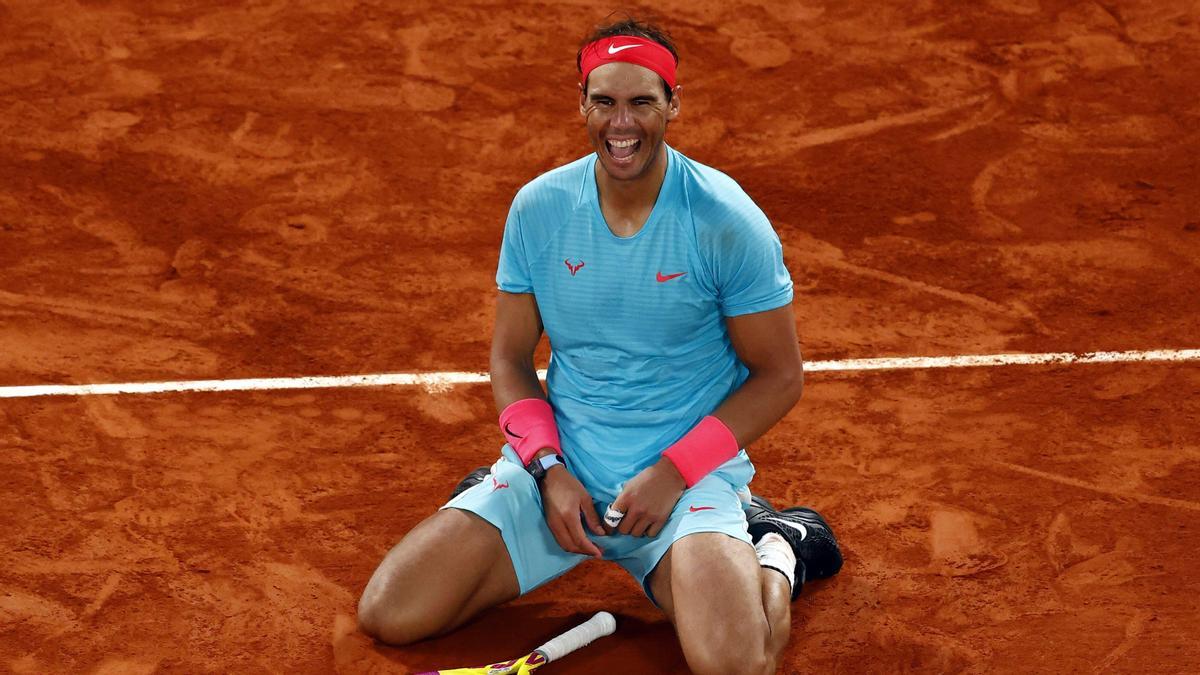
629	49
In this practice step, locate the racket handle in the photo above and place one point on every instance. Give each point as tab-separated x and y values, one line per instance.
596	627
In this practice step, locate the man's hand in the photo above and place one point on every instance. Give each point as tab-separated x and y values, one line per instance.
648	498
564	499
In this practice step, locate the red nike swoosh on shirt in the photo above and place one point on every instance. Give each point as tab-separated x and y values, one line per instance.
667	277
694	509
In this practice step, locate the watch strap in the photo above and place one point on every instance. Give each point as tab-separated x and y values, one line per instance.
549	461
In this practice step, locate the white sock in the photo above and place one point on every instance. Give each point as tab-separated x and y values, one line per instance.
774	552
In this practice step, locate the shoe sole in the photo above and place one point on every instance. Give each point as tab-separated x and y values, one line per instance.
474	478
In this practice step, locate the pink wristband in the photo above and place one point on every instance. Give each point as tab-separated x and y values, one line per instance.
529	426
708	445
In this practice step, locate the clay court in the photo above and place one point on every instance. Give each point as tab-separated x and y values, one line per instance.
212	191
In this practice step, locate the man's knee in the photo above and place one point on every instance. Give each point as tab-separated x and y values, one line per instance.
395	623
716	595
745	655
450	566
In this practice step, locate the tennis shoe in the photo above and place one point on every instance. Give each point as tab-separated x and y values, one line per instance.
474	478
811	538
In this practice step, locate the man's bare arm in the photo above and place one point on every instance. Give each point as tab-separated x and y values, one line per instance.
517	329
766	342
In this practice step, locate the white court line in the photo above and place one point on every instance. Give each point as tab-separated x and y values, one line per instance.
441	381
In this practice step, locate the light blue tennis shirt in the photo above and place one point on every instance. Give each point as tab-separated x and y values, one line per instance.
639	349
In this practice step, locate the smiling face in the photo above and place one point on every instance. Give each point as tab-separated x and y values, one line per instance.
627	113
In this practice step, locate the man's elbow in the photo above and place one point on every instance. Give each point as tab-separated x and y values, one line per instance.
495	364
792	382
787	382
502	364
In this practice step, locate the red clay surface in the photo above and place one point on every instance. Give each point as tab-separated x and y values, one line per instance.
277	189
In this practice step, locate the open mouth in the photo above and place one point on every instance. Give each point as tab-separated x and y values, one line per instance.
622	150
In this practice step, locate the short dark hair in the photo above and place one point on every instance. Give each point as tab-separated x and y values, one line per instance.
632	27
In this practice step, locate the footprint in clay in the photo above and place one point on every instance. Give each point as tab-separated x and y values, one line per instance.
969	564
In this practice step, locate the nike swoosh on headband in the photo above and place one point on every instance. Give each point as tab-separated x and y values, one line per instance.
613	49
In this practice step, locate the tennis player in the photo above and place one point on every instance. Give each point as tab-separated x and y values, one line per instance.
663	292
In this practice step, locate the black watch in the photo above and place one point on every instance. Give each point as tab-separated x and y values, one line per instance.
538	467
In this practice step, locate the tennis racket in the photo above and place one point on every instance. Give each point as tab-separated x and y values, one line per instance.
596	627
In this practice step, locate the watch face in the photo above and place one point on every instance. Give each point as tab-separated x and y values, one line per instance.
537	468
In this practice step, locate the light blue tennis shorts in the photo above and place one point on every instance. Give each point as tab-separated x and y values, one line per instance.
509	499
